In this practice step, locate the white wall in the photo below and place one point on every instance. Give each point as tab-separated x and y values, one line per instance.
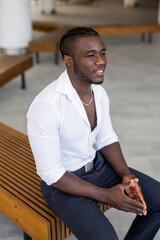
15	24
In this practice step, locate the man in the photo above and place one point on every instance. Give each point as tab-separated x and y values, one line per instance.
77	153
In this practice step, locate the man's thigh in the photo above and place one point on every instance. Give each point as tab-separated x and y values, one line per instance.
82	215
149	186
150	189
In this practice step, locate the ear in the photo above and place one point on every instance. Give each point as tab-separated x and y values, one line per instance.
68	60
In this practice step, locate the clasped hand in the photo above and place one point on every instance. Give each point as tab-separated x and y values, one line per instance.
128	196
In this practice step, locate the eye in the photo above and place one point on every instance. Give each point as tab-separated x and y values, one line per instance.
103	54
91	55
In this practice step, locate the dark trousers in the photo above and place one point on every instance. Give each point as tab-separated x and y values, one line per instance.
83	216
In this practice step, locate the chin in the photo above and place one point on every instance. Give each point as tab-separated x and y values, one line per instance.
98	81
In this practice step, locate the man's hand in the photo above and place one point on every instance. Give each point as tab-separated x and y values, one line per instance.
134	191
118	199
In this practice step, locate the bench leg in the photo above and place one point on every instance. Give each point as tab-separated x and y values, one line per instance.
56	60
26	236
23	82
37	57
149	37
143	36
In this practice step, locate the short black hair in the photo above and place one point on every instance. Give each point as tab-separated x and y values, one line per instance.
68	40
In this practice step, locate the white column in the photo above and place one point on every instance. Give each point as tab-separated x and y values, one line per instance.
15	25
159	13
47	6
130	3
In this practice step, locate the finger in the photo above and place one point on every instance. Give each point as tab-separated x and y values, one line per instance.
134	210
138	199
141	199
136	180
136	206
127	207
127	184
135	203
139	194
136	193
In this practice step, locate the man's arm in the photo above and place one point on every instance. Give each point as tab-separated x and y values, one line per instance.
114	196
114	157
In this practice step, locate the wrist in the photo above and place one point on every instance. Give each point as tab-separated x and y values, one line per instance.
128	177
126	172
101	195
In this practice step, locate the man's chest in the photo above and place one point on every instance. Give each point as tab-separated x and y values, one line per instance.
77	121
91	114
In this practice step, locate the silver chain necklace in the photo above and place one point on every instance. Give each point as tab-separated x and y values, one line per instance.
86	104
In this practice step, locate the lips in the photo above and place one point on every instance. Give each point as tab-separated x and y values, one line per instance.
99	72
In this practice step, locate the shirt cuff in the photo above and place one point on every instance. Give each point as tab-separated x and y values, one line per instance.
52	175
107	142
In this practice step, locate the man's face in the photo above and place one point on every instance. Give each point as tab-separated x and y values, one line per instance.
89	60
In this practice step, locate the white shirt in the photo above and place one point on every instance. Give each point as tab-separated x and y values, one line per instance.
59	130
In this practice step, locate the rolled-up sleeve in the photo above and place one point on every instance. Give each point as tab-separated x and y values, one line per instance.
43	125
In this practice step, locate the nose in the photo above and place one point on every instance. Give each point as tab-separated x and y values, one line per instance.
101	60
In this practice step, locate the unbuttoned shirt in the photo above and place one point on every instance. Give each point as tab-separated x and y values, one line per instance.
59	131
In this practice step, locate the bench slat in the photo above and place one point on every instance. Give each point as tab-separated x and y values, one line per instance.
18	144
12	132
42	211
43	26
9	165
49	42
19	141
22	190
29	187
126	29
22	167
64	233
21	177
20	156
45	212
12	66
23	216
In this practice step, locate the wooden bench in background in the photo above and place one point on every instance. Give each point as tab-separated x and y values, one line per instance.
12	66
142	29
50	41
44	26
80	1
21	200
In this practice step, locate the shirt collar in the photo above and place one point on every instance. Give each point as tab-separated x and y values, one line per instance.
65	86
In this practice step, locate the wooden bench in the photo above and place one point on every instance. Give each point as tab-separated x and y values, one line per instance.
12	66
143	29
20	196
44	26
80	1
49	43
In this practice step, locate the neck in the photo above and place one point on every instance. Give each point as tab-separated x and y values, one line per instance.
83	88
